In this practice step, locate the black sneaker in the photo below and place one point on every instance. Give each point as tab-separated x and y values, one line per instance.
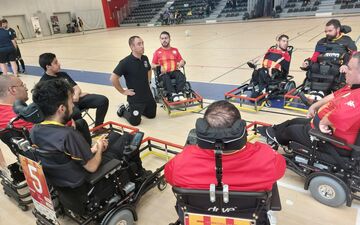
121	110
270	134
262	130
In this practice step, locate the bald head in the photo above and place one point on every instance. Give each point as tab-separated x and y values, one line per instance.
353	74
5	83
11	89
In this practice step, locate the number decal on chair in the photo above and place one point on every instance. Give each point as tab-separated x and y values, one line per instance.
39	191
35	180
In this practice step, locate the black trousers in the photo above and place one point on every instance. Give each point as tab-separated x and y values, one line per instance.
261	77
294	130
180	81
92	101
19	59
83	127
135	110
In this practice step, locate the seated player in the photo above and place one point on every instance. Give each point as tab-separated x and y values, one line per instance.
12	89
66	148
82	100
246	167
337	114
170	61
275	65
330	59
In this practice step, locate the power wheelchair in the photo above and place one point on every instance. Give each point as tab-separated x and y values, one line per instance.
192	103
108	196
220	206
13	182
251	97
331	173
322	78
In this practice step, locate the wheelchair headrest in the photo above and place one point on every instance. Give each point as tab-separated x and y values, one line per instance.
30	113
345	29
233	138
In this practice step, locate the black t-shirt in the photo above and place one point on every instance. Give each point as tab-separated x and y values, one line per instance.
5	39
345	46
62	142
59	75
12	32
135	72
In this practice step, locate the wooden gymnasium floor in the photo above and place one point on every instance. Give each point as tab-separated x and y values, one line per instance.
215	54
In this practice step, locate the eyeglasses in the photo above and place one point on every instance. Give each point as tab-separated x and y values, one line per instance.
21	85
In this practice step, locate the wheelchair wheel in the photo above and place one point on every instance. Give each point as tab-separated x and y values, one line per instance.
187	86
289	86
121	217
327	191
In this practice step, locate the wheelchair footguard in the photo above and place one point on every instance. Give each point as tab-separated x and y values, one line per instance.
117	208
193	101
12	177
331	178
240	96
191	104
15	187
293	100
244	99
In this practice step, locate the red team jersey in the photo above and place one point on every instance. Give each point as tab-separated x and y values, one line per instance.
255	168
7	113
167	58
344	113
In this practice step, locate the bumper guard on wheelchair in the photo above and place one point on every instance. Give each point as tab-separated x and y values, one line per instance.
189	105
293	102
246	103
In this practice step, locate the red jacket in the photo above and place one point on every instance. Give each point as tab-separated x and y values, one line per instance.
255	168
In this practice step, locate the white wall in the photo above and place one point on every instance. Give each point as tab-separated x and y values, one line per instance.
29	8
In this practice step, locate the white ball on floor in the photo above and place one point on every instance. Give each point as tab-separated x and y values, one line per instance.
187	33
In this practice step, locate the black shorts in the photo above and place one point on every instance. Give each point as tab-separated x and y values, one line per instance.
7	55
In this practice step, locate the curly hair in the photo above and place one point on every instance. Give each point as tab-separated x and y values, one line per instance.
49	95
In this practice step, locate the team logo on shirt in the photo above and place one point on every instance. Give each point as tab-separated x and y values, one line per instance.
174	52
350	104
66	80
146	64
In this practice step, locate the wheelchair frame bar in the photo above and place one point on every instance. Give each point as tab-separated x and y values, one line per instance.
85	112
289	101
182	106
255	124
218	192
233	95
162	151
132	130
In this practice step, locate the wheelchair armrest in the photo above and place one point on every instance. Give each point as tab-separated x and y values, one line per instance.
325	137
275	204
251	65
104	170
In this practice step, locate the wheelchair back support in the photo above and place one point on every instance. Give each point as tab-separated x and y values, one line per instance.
325	75
245	205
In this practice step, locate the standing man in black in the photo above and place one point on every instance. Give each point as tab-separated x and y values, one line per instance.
7	51
82	100
18	53
136	70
